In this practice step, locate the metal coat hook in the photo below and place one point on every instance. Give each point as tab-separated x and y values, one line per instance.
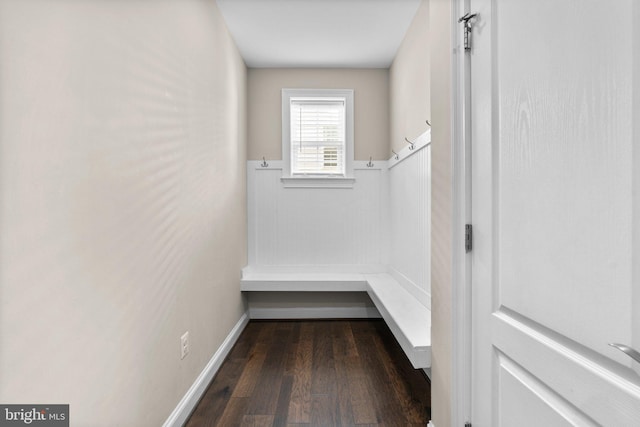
264	163
428	124
468	26
395	156
412	144
370	164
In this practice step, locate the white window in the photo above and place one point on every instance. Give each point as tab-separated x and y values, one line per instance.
317	133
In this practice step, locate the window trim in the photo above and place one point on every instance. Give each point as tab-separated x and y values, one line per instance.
312	180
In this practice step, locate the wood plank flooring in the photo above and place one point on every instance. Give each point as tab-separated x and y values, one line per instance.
315	373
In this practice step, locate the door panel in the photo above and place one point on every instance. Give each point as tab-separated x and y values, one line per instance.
564	183
602	389
528	402
554	90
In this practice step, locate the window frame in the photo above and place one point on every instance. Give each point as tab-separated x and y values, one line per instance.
317	180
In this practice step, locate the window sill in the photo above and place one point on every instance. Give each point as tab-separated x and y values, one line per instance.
318	182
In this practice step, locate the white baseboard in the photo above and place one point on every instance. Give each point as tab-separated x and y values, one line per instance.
314	313
181	413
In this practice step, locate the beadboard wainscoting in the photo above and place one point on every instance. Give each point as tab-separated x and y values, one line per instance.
342	229
410	219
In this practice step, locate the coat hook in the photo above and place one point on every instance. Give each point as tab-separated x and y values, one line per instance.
429	124
395	155
370	164
411	146
264	163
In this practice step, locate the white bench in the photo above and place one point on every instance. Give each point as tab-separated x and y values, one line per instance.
407	318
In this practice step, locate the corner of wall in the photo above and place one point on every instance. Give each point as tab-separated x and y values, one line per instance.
442	213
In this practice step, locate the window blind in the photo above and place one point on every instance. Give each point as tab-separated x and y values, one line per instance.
318	136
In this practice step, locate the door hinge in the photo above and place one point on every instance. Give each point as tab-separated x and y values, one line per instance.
468	237
468	26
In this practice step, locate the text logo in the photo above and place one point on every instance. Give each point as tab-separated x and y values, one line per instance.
34	415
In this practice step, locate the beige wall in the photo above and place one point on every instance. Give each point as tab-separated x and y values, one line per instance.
371	107
122	202
442	213
409	82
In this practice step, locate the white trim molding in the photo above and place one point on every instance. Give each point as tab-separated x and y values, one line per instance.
461	261
317	182
190	400
419	143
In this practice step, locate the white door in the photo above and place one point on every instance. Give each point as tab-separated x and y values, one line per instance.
555	88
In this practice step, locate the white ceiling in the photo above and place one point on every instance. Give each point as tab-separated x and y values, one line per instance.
318	33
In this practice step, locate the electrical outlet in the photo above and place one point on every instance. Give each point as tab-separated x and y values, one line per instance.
184	345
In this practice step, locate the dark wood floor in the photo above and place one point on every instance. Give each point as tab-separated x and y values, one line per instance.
316	373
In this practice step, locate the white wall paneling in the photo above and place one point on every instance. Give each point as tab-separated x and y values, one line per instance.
314	227
409	218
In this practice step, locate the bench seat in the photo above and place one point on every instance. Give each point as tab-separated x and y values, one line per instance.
408	319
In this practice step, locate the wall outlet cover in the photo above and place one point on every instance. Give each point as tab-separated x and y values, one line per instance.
184	345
